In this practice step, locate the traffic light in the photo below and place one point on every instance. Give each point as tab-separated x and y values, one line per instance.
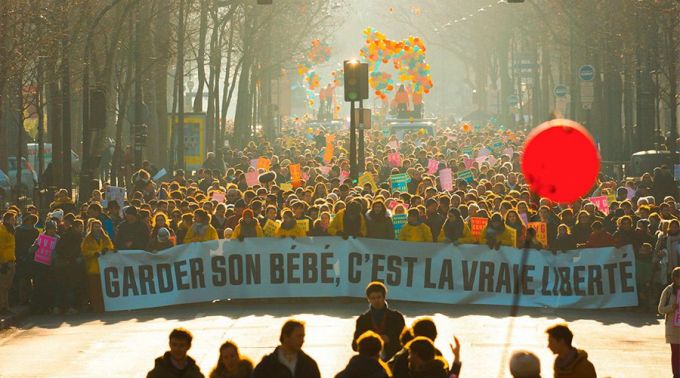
356	80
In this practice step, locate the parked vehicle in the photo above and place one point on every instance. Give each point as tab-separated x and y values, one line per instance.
32	153
646	161
5	187
29	178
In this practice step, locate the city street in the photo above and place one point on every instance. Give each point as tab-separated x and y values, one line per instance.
125	344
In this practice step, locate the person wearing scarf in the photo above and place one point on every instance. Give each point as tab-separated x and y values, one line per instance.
513	221
288	227
247	227
7	259
378	223
496	233
455	230
201	230
381	319
97	242
348	222
415	230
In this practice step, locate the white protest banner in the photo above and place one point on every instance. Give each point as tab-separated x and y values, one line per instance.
332	267
114	193
446	179
159	175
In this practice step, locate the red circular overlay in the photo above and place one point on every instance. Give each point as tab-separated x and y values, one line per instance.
560	160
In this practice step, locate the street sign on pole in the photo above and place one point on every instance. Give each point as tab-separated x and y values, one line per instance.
586	72
560	90
363	120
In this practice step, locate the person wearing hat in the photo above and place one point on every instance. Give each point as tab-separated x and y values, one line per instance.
43	275
162	241
247	227
63	201
132	233
415	230
201	230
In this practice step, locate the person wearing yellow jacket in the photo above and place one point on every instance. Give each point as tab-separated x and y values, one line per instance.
201	230
96	243
247	227
7	258
496	233
349	222
289	228
415	230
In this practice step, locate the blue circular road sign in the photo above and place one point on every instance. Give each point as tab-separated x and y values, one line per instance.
586	72
560	90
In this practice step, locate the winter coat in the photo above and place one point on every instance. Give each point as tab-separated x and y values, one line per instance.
670	244
337	226
435	222
460	234
137	233
600	239
67	251
24	237
505	237
624	237
435	368
91	247
577	367
666	303
581	232
193	236
364	367
399	363
379	226
238	231
270	367
244	370
418	233
163	368
392	324
7	245
564	243
294	232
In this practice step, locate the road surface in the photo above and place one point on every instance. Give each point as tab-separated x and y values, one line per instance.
620	343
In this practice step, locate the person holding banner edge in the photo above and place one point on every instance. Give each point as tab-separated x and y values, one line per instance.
669	306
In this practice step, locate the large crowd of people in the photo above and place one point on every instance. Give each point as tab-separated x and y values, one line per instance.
300	185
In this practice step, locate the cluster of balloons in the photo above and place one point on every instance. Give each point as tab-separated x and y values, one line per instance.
318	53
338	77
407	58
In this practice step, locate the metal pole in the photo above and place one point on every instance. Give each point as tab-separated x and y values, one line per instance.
362	157
138	92
352	144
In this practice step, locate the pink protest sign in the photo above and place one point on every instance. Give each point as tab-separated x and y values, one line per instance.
491	160
432	166
344	175
252	178
601	202
480	159
508	151
325	170
394	144
394	158
45	250
525	218
483	152
218	196
446	179
630	193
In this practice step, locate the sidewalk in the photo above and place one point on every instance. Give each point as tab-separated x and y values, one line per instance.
18	314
